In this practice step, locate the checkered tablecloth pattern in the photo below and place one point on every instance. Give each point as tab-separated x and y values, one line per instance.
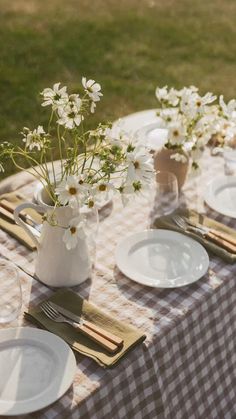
186	368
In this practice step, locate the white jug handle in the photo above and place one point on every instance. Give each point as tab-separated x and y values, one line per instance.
32	232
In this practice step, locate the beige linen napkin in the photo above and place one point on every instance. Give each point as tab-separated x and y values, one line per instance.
13	229
79	342
166	222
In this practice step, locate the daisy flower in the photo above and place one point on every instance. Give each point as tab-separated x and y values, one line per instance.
228	109
74	233
179	157
93	90
71	191
162	93
101	191
56	96
33	139
140	166
176	133
70	115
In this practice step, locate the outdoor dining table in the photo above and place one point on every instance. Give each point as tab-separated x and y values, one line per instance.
186	367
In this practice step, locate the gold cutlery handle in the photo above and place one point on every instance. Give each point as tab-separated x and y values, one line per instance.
7	214
106	344
224	236
222	243
104	333
7	205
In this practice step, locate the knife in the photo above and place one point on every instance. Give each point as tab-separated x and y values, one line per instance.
10	217
99	330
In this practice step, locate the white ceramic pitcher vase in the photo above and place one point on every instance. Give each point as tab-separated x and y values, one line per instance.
57	266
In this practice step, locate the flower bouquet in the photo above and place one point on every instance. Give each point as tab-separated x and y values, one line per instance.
93	164
193	121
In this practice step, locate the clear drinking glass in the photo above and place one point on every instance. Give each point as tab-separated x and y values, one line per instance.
10	292
167	194
230	162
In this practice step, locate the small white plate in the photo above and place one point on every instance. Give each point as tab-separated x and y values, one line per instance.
152	136
220	195
37	368
161	258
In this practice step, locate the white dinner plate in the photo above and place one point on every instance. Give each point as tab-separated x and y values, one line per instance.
152	136
131	123
220	195
161	258
36	367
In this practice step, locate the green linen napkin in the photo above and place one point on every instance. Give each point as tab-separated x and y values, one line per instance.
79	342
166	222
13	229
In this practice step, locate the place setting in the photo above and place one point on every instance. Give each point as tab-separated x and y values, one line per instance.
38	364
174	251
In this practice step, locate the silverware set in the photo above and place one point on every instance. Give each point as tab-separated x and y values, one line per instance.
107	340
224	240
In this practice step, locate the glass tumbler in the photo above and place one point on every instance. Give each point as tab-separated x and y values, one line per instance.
167	194
10	292
230	162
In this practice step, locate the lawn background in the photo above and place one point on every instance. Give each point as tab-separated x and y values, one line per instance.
128	46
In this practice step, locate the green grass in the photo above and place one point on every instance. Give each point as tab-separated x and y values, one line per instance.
130	47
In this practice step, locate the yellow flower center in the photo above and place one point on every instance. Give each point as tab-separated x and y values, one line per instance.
102	187
91	204
72	190
175	133
73	230
136	164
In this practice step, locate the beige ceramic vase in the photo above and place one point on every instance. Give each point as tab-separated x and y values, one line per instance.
163	162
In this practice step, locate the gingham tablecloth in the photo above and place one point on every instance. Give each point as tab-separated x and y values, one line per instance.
186	368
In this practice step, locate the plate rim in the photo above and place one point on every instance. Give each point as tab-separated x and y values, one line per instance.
130	119
208	194
144	131
125	239
61	348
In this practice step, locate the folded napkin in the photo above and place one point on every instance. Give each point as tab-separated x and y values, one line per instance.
166	222
13	229
78	341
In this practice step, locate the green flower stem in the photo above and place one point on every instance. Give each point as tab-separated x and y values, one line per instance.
60	147
94	152
30	160
53	169
38	176
50	120
85	148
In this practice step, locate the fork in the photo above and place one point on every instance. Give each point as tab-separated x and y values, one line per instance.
55	316
180	222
